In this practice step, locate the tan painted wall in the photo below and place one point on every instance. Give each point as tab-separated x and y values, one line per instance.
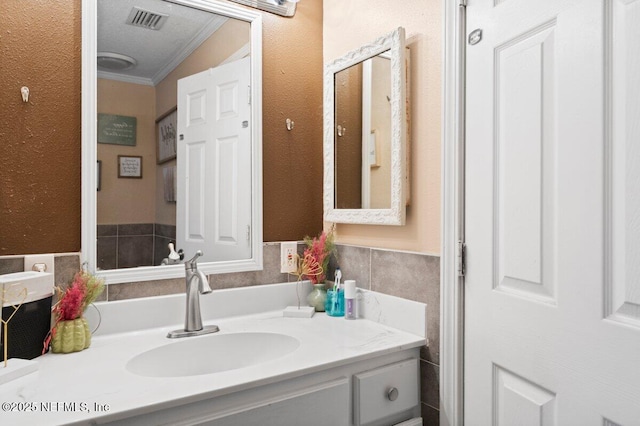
124	200
40	160
348	25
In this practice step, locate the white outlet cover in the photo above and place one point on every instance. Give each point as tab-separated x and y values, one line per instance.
47	259
285	247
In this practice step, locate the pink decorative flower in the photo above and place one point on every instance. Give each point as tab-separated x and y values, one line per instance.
69	307
79	294
320	249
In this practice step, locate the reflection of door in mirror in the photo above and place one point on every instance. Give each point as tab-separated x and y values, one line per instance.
135	220
348	137
214	162
376	123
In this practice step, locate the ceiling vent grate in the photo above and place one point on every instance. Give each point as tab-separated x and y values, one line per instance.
146	19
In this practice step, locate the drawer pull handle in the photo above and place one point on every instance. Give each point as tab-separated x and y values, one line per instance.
392	394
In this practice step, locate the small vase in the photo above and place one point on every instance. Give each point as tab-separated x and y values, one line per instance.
317	297
71	336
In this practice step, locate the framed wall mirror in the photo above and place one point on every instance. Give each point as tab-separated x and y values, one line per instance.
365	134
172	68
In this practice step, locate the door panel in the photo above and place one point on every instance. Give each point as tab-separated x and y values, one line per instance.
226	227
524	165
214	163
194	189
552	293
623	180
521	402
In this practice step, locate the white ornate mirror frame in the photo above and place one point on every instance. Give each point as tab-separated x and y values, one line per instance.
395	215
89	149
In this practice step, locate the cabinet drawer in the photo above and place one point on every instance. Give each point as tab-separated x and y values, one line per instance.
385	393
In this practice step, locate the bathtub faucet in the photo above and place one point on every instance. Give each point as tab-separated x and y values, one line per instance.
197	283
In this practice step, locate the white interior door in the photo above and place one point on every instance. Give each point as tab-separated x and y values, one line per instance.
214	163
552	291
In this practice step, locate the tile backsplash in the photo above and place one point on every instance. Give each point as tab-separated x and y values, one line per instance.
133	244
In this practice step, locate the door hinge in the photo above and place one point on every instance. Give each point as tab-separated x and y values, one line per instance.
249	95
462	254
462	3
249	233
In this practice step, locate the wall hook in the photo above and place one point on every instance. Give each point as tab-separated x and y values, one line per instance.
290	124
25	93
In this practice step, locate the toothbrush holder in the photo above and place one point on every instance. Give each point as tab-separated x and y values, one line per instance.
334	305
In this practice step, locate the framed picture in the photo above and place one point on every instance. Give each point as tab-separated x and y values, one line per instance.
117	129
99	175
130	166
166	132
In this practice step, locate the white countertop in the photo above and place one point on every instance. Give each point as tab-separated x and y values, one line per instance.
98	375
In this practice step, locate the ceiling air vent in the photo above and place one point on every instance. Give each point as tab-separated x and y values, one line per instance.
146	19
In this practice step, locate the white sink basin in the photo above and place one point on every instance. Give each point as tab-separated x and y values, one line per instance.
212	353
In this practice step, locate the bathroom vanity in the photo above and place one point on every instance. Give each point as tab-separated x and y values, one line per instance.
260	369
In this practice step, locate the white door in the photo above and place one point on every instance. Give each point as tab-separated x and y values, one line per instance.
552	292
214	163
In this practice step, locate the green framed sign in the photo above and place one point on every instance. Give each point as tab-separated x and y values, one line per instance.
117	129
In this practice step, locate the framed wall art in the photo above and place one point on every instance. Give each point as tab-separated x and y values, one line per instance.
166	133
130	166
117	129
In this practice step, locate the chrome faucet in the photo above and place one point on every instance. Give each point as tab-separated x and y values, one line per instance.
197	283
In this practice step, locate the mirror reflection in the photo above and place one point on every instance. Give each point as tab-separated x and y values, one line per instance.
362	134
173	168
365	134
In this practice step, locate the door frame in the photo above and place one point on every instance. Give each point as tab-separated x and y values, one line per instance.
452	213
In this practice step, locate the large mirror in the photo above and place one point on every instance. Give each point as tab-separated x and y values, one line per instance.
365	134
172	137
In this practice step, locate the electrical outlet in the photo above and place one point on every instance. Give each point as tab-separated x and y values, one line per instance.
39	262
42	263
288	256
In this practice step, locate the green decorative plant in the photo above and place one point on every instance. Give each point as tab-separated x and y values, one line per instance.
70	331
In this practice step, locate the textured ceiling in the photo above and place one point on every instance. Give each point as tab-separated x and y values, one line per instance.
157	52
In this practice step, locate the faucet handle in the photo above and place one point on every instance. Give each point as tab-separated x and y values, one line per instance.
193	262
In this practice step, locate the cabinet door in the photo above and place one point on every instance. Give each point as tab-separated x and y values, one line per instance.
323	404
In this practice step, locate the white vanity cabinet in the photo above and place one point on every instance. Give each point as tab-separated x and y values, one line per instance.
373	392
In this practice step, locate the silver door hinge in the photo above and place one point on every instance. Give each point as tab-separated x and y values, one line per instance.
249	95
248	232
461	255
